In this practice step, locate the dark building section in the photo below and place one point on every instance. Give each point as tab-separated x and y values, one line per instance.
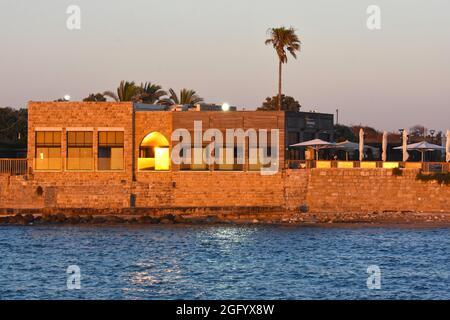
304	126
13	151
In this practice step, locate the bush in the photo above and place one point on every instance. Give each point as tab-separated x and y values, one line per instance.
441	178
397	172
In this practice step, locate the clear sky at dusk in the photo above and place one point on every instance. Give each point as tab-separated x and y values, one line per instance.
395	77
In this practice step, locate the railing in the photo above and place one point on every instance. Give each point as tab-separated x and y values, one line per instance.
327	164
13	167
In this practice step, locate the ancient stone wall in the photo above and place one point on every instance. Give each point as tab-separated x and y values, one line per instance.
319	190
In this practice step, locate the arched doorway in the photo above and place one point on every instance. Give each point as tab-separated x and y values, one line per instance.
154	153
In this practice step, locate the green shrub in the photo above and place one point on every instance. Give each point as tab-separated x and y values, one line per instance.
442	178
397	172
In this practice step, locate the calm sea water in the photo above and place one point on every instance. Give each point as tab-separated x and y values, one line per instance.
224	262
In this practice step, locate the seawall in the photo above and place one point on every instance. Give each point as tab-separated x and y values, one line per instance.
326	194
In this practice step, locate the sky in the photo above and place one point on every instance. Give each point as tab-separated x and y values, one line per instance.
391	78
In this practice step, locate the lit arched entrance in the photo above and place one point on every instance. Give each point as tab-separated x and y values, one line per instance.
154	153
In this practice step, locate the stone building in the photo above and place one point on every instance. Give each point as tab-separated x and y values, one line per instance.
128	140
113	157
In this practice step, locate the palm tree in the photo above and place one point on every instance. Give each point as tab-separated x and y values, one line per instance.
127	91
151	93
186	96
283	39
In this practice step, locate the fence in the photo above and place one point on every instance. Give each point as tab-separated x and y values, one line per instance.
13	167
326	164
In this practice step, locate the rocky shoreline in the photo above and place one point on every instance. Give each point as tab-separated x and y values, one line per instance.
29	219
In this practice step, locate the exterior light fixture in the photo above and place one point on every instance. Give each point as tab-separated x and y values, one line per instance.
225	107
67	97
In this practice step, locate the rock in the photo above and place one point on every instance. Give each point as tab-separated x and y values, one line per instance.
114	219
74	219
28	218
131	221
166	221
99	220
180	219
148	220
38	219
60	218
169	216
86	219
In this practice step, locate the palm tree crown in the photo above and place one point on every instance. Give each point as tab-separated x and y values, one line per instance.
151	93
186	96
127	91
283	41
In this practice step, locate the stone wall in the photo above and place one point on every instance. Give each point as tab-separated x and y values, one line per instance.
368	190
322	190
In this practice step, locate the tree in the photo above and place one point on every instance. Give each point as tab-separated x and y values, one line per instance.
287	104
99	97
151	93
13	126
283	40
418	132
127	91
186	97
342	133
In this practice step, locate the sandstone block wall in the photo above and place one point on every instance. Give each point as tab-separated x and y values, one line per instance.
322	190
367	190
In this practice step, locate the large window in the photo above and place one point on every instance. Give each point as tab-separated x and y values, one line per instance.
110	150
235	165
198	165
48	150
79	150
154	153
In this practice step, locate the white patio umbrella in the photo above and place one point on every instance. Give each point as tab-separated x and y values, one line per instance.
447	147
384	146
350	146
422	147
405	146
315	144
361	144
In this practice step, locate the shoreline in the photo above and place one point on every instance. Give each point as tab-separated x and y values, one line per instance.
371	219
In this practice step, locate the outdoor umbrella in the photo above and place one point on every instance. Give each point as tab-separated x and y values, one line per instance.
447	148
422	147
405	146
315	144
361	144
384	146
350	146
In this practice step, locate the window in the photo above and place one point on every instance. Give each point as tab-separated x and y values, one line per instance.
48	150
255	161
79	150
154	153
235	166
110	150
199	165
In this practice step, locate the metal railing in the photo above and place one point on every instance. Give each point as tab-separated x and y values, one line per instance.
329	164
14	167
